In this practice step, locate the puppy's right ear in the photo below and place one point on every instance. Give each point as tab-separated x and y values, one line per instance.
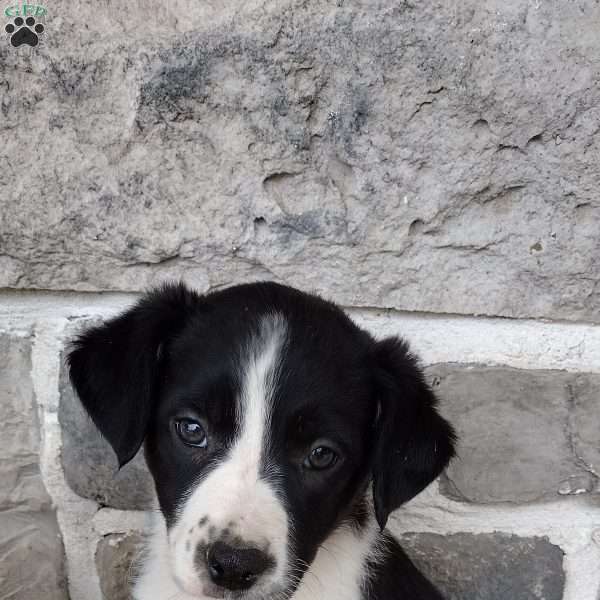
113	366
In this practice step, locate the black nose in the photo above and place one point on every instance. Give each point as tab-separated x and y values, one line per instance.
235	568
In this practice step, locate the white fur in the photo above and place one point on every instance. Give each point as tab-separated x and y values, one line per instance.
232	496
337	572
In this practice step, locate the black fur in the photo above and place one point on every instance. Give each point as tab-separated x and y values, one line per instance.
396	577
176	352
114	366
414	442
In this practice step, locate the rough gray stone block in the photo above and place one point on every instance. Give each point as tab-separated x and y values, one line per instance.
20	481
584	402
32	565
90	465
489	566
434	156
116	557
31	551
524	435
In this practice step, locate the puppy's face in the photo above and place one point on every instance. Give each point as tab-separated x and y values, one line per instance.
259	445
261	408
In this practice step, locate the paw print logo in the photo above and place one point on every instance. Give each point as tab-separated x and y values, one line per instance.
24	32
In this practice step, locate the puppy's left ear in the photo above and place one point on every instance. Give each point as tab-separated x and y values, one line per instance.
413	442
114	366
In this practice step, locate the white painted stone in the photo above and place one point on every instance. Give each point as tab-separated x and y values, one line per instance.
584	580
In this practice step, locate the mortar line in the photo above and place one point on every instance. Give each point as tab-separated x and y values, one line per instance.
519	344
432	512
582	574
59	297
72	512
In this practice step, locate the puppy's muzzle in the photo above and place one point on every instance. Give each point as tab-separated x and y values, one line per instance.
234	568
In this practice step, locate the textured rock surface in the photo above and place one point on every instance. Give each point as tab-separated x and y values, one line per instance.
505	418
90	465
489	567
584	400
32	565
31	552
430	156
115	561
20	481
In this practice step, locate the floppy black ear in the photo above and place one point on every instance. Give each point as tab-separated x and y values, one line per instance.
414	443
113	366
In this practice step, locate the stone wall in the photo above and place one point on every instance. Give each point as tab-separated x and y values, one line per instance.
432	166
515	517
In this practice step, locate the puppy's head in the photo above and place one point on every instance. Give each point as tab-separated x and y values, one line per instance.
266	413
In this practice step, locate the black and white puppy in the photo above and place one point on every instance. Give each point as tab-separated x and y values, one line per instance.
266	414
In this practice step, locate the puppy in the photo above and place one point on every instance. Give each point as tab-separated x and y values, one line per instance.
267	417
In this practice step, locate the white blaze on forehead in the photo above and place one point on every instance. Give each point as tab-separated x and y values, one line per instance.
261	365
233	495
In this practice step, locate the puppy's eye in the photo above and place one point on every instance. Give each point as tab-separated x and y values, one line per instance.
191	433
320	458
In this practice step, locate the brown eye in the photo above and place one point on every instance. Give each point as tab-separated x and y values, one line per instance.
191	433
320	458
